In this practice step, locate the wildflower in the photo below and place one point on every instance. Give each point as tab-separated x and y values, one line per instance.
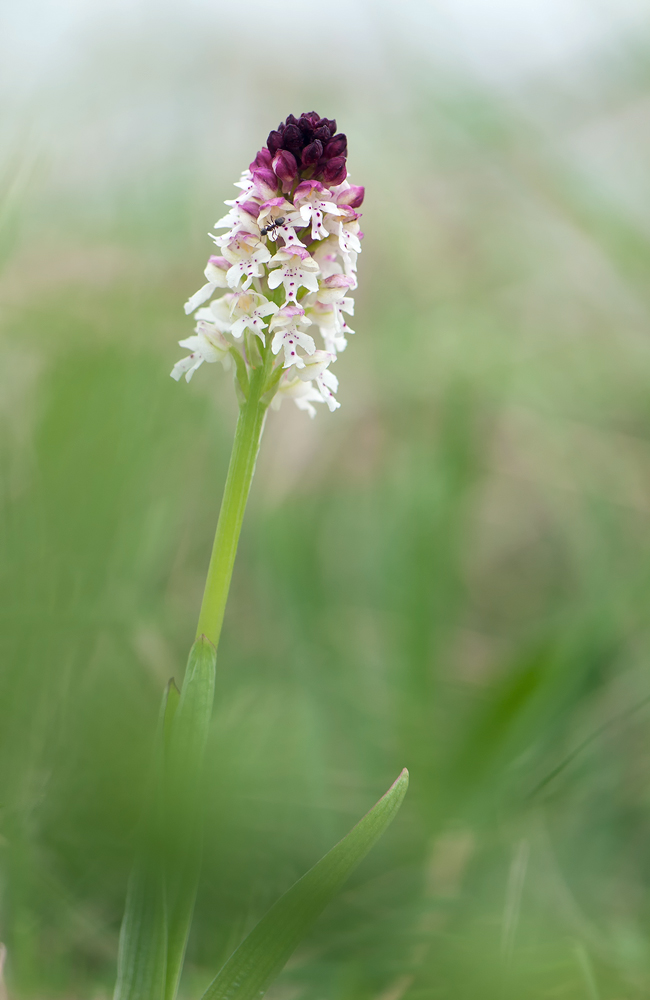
302	393
316	367
286	328
215	272
286	262
208	345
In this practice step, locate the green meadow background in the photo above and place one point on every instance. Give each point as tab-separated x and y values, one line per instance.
451	573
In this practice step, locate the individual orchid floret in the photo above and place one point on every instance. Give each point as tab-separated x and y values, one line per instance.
314	206
316	368
278	218
218	312
241	218
331	323
285	327
208	345
249	310
349	243
326	309
246	255
302	393
215	272
288	248
295	270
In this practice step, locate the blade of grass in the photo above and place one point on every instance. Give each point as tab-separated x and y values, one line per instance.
260	958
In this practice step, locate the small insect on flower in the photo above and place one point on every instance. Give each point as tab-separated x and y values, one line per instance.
301	173
272	226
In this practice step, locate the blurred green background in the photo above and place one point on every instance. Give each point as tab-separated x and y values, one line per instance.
451	573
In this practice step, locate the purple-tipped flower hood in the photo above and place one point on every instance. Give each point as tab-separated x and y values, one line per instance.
287	263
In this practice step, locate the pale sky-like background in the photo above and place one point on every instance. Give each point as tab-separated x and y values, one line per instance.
94	92
503	40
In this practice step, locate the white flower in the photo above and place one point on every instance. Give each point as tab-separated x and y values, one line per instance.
280	208
316	367
238	220
315	201
218	312
295	269
349	244
302	393
333	288
287	334
215	272
208	345
245	182
276	212
247	255
250	308
327	308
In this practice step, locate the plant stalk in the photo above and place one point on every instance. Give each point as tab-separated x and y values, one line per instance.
246	446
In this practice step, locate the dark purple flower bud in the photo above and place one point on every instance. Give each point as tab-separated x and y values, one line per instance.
292	120
322	133
311	117
274	142
336	171
353	197
312	153
330	123
285	166
338	146
292	140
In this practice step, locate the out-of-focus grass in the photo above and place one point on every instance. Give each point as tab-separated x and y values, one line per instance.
451	573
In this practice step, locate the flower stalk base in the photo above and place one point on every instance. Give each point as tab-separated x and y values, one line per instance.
248	436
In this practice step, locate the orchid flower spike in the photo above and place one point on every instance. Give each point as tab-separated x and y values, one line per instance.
286	263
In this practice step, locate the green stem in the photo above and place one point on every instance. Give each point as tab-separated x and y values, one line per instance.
238	483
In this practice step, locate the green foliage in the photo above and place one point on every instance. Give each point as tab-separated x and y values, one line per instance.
259	959
164	880
450	572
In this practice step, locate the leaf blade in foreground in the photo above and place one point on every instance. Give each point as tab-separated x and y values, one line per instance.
142	956
262	955
187	739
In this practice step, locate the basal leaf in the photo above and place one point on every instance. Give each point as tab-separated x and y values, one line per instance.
142	957
260	958
185	752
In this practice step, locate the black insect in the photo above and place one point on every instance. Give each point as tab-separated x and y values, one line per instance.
272	226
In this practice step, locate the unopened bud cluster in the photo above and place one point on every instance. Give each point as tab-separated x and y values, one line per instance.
288	264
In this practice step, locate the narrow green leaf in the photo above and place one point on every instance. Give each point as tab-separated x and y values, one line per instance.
260	958
141	964
186	749
3	956
170	703
191	723
185	882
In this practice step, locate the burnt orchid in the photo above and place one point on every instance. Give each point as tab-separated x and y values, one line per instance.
286	266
